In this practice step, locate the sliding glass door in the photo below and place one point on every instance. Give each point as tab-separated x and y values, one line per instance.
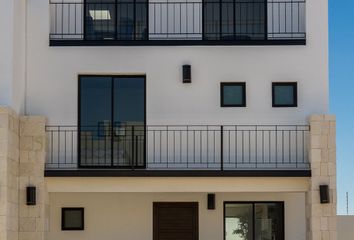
112	121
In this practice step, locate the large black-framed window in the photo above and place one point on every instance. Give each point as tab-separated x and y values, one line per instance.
116	19
234	20
284	94
112	120
233	94
72	219
254	220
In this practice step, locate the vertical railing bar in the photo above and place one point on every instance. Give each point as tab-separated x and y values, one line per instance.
222	148
58	143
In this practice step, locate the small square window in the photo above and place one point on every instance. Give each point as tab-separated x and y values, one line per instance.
72	219
284	94
233	94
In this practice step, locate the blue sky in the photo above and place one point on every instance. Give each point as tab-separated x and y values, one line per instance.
341	50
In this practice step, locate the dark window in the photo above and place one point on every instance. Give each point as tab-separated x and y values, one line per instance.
111	121
116	20
234	20
252	221
233	94
284	94
72	219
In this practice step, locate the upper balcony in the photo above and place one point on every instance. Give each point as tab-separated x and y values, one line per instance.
191	150
177	22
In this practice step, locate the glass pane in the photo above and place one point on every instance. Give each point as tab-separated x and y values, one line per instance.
100	19
238	222
233	95
227	19
284	95
129	120
73	218
95	120
250	19
268	221
211	20
132	19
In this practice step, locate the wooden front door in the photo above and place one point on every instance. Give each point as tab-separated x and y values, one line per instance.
175	221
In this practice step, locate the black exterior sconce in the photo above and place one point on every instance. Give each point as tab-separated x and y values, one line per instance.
31	195
211	201
324	194
187	74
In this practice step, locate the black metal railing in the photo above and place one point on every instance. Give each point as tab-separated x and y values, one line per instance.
178	147
153	21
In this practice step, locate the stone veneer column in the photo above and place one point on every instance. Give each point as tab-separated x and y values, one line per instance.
22	158
322	218
9	165
32	219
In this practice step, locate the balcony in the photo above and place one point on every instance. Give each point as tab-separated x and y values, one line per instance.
133	150
164	22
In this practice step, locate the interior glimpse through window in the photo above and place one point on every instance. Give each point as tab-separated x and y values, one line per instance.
254	221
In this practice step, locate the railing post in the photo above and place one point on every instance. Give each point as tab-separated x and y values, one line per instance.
222	148
133	145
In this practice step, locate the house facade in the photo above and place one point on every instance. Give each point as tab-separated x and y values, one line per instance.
156	120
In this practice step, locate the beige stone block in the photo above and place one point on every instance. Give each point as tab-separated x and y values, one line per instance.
4	120
324	169
332	223
324	141
40	224
317	181
333	235
24	210
315	141
332	155
332	129
27	225
325	128
30	236
324	224
34	211
38	143
316	224
326	210
331	142
333	182
329	117
325	235
316	210
315	155
26	143
316	118
316	128
32	126
332	169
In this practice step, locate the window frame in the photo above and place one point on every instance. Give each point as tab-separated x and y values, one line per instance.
295	97
64	210
79	103
282	209
242	84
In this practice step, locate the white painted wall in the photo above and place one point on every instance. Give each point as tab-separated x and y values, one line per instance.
52	72
112	216
12	53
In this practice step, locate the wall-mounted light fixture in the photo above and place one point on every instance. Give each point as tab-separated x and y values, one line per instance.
324	194
31	195
187	74
211	201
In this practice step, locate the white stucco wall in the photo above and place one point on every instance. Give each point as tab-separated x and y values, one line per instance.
12	54
112	216
52	75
